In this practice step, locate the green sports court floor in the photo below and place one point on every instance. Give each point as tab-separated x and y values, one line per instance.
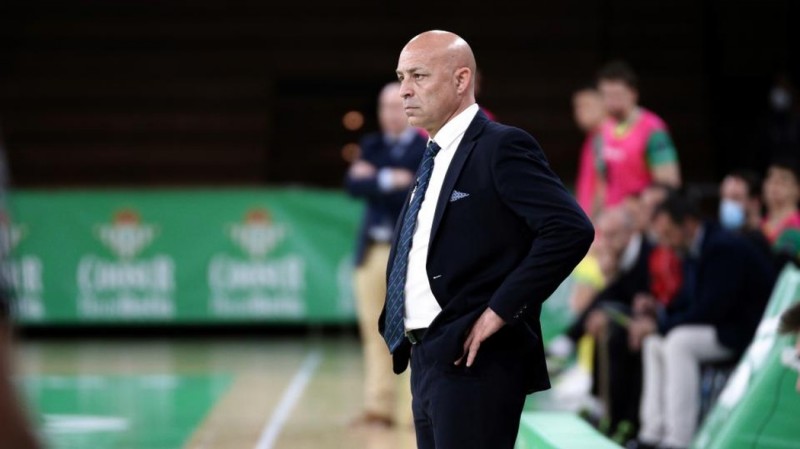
212	393
215	393
265	393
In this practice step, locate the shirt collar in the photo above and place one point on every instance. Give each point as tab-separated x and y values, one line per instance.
456	127
631	253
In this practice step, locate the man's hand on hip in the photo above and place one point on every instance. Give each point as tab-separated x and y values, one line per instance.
486	326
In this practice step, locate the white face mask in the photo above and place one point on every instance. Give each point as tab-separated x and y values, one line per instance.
732	214
780	99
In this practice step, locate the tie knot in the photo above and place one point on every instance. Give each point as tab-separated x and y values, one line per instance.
433	148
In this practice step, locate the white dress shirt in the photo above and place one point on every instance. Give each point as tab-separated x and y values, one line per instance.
631	253
421	306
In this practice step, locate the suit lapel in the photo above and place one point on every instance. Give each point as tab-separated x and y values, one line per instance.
456	165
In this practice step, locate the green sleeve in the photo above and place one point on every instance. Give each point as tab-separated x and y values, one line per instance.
597	149
660	149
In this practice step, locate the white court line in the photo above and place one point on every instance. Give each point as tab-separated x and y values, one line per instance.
270	434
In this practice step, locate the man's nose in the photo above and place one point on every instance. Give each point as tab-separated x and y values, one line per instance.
405	89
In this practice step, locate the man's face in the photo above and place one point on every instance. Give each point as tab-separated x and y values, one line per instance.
391	116
781	187
734	189
670	233
428	88
735	203
613	233
619	98
650	199
588	109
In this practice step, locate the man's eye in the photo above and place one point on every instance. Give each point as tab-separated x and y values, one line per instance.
418	76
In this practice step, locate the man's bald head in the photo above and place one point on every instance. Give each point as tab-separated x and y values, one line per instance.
618	217
449	47
437	75
616	226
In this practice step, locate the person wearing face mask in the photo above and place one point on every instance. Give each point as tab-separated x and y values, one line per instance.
740	208
727	283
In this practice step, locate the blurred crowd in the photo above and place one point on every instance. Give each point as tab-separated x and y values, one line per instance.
667	289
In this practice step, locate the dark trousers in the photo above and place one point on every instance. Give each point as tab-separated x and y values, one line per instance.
467	408
625	378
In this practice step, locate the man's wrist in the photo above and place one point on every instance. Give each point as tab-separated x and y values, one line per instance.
386	180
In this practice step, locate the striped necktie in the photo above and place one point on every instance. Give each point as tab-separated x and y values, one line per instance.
394	329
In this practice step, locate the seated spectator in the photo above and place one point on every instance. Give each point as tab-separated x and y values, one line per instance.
781	197
588	281
665	266
740	208
740	201
727	283
644	204
624	255
790	324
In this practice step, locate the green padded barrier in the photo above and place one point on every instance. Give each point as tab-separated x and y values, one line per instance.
559	430
759	407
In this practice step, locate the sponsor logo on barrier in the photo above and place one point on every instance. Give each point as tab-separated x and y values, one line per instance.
257	235
126	236
127	286
22	273
262	283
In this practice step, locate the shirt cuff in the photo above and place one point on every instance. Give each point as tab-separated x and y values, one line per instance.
385	181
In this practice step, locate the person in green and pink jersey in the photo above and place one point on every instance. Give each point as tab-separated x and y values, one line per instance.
590	114
635	148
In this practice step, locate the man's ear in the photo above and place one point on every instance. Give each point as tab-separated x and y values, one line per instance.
463	79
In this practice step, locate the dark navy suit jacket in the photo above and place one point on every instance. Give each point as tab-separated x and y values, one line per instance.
726	286
382	206
507	245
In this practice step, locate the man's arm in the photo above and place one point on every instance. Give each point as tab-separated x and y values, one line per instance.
364	179
662	157
563	234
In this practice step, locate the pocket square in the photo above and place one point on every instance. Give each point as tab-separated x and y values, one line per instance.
456	195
